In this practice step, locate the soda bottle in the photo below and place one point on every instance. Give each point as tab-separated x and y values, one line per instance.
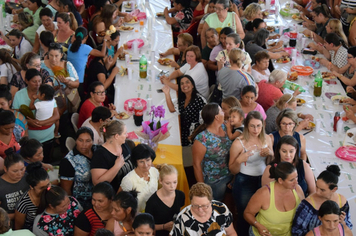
293	86
138	112
318	84
143	67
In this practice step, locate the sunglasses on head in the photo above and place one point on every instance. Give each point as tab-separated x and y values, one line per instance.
101	34
55	46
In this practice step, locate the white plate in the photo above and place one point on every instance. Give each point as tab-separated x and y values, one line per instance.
347	139
132	23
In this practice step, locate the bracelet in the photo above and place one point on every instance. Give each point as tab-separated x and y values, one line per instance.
254	223
163	226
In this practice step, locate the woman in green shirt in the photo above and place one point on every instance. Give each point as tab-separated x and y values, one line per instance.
34	7
27	26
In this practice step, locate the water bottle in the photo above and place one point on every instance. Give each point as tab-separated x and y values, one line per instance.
318	84
143	67
138	115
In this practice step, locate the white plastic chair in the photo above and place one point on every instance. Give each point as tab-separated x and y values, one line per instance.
70	143
74	120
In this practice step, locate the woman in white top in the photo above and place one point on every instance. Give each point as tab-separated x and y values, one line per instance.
18	41
144	178
195	68
8	66
248	161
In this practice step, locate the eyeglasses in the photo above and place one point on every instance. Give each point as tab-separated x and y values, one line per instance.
218	9
204	207
100	93
288	124
101	34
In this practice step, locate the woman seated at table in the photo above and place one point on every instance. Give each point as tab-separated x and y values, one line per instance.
190	103
211	149
67	24
248	164
8	66
183	15
17	40
248	101
252	27
287	150
317	30
233	40
111	161
287	121
27	26
32	151
97	216
99	116
22	97
227	104
185	40
259	44
204	216
57	213
275	202
74	169
26	207
29	60
251	12
144	177
123	213
286	101
260	70
222	18
348	77
329	215
168	199
306	216
195	68
100	69
233	79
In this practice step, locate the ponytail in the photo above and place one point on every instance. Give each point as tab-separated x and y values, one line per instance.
52	195
69	17
80	34
198	130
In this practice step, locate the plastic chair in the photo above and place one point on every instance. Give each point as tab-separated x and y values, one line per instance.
192	30
74	120
70	143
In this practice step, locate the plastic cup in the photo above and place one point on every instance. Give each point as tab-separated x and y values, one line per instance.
281	30
129	73
294	53
142	23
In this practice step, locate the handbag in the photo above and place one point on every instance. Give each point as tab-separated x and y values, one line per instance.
73	98
60	96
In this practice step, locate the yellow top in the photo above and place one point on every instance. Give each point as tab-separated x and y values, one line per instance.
278	223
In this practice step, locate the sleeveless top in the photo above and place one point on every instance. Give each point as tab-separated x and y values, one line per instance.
117	228
313	203
255	164
316	231
277	136
278	223
213	21
65	44
301	177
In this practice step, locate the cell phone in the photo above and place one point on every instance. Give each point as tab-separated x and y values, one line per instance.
159	91
309	51
128	10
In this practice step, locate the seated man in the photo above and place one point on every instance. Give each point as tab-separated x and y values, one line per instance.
260	68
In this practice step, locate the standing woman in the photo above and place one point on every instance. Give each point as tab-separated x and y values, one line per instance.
275	202
287	121
97	216
124	210
34	8
18	42
57	213
211	149
190	103
227	104
220	19
248	158
32	151
8	66
68	6
248	101
13	183
111	161
183	17
306	216
7	136
74	169
168	199
27	26
26	208
66	24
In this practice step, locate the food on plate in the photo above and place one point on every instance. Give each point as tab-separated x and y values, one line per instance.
310	126
270	29
350	135
126	28
122	56
344	118
134	20
159	14
315	58
122	116
300	101
122	71
265	13
111	30
128	5
296	17
272	44
164	61
284	59
293	76
328	75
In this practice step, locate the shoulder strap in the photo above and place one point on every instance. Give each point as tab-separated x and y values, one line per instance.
340	203
241	143
312	200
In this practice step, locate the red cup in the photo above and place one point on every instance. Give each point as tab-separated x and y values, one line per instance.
293	34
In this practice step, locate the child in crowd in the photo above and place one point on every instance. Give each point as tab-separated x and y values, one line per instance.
44	107
234	124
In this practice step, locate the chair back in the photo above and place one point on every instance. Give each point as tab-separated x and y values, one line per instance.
70	143
74	120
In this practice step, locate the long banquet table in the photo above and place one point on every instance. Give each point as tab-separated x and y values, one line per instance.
157	39
321	146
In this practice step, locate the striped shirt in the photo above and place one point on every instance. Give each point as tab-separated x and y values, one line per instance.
26	206
89	221
346	17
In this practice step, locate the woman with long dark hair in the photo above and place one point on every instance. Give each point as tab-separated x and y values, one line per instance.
16	39
190	103
8	66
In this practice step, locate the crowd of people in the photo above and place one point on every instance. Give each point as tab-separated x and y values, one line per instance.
239	128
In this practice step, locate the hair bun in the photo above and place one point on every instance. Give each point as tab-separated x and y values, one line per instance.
33	166
24	141
335	169
133	193
9	152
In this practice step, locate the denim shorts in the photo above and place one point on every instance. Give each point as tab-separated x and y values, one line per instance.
218	186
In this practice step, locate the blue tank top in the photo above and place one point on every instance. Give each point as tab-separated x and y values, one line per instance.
277	137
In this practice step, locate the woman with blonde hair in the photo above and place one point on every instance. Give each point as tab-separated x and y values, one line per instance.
27	26
234	78
111	161
67	25
226	105
286	101
248	157
333	26
168	199
251	12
